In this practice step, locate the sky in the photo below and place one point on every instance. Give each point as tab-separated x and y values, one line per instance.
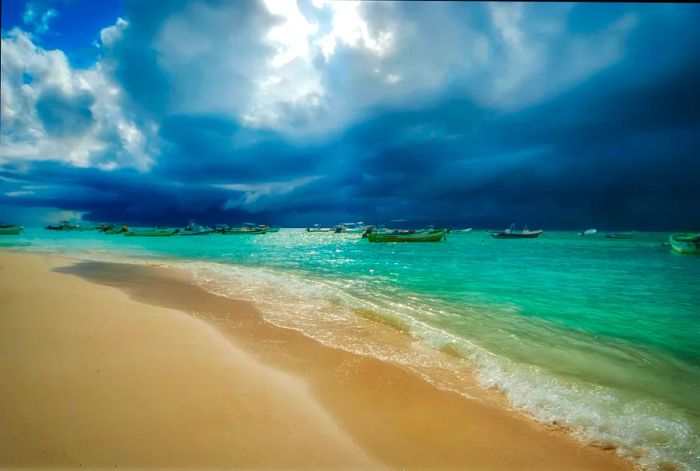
560	116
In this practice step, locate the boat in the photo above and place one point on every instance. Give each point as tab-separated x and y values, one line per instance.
194	229
588	232
620	235
318	228
63	226
685	243
112	230
512	233
461	231
435	235
350	228
10	229
272	229
152	232
247	228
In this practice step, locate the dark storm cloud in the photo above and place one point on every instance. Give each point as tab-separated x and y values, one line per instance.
62	114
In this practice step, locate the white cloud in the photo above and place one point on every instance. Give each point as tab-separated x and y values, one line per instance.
38	19
51	111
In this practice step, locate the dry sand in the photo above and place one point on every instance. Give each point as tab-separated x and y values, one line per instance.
122	371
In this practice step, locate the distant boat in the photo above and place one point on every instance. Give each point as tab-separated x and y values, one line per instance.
318	228
435	235
63	226
620	235
461	231
112	230
247	228
512	233
685	243
153	232
10	229
350	228
194	229
588	232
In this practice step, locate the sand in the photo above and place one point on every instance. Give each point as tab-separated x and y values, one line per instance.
106	365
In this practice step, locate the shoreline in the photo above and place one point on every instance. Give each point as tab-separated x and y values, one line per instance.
382	413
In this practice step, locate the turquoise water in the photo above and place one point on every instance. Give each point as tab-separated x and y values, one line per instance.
597	334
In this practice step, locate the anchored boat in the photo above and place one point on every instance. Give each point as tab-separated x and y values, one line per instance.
247	228
10	229
685	243
407	236
63	226
620	235
512	233
193	229
318	228
153	232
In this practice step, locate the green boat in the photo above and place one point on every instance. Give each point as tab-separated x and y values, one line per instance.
400	236
685	243
155	232
246	230
10	229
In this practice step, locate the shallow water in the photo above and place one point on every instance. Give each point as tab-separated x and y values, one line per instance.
597	334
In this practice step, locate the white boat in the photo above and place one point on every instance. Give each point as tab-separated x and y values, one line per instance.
461	231
193	229
318	228
350	228
588	232
686	243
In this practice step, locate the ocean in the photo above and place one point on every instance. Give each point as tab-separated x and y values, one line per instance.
599	336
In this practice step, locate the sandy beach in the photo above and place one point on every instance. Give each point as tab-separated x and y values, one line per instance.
114	365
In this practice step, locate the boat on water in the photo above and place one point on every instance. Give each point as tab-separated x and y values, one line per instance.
620	235
685	243
512	233
247	228
115	229
588	232
194	229
10	229
350	228
272	229
318	228
435	235
461	231
63	226
152	232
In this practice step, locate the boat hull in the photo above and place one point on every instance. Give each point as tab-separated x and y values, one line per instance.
244	231
10	230
161	233
685	243
516	235
432	236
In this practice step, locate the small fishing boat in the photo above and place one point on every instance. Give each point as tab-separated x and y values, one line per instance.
350	228
112	230
10	229
588	232
620	235
407	236
194	229
247	228
63	226
152	232
685	243
512	233
318	228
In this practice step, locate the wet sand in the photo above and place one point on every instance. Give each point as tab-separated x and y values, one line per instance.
115	364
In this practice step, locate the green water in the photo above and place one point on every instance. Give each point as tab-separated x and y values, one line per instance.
595	333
